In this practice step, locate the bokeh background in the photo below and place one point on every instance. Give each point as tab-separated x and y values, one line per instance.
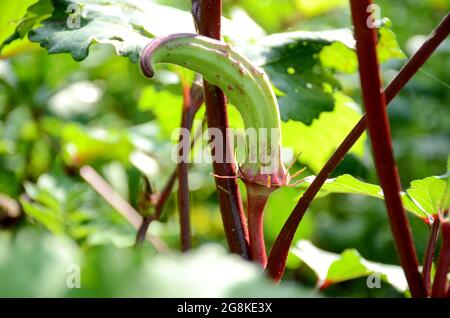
57	115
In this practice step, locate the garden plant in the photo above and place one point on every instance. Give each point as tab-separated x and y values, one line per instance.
209	149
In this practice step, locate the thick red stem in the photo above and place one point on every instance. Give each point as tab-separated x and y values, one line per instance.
256	202
440	283
277	260
207	15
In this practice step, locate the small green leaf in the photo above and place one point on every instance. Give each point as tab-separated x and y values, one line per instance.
50	218
423	199
388	47
35	14
332	268
429	194
348	267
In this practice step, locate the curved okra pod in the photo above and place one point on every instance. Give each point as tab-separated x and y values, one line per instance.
246	86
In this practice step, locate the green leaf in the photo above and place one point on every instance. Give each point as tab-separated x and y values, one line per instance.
12	25
293	65
423	199
332	268
65	206
73	29
50	218
35	14
388	47
429	194
317	142
302	66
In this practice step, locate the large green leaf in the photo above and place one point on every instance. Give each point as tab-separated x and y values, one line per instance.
76	24
293	65
301	65
332	268
127	25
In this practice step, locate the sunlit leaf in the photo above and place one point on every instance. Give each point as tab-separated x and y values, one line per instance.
16	20
127	25
423	199
317	142
332	268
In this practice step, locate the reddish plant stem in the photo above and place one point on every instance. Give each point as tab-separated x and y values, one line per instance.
277	259
183	175
257	201
380	137
196	100
429	253
207	16
440	283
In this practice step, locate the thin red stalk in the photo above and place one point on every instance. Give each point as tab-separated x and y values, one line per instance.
196	99
277	260
429	253
440	283
380	137
183	178
207	15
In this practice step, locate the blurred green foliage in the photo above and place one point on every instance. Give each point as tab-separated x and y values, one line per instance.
57	115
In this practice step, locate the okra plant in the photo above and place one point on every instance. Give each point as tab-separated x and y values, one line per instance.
290	92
